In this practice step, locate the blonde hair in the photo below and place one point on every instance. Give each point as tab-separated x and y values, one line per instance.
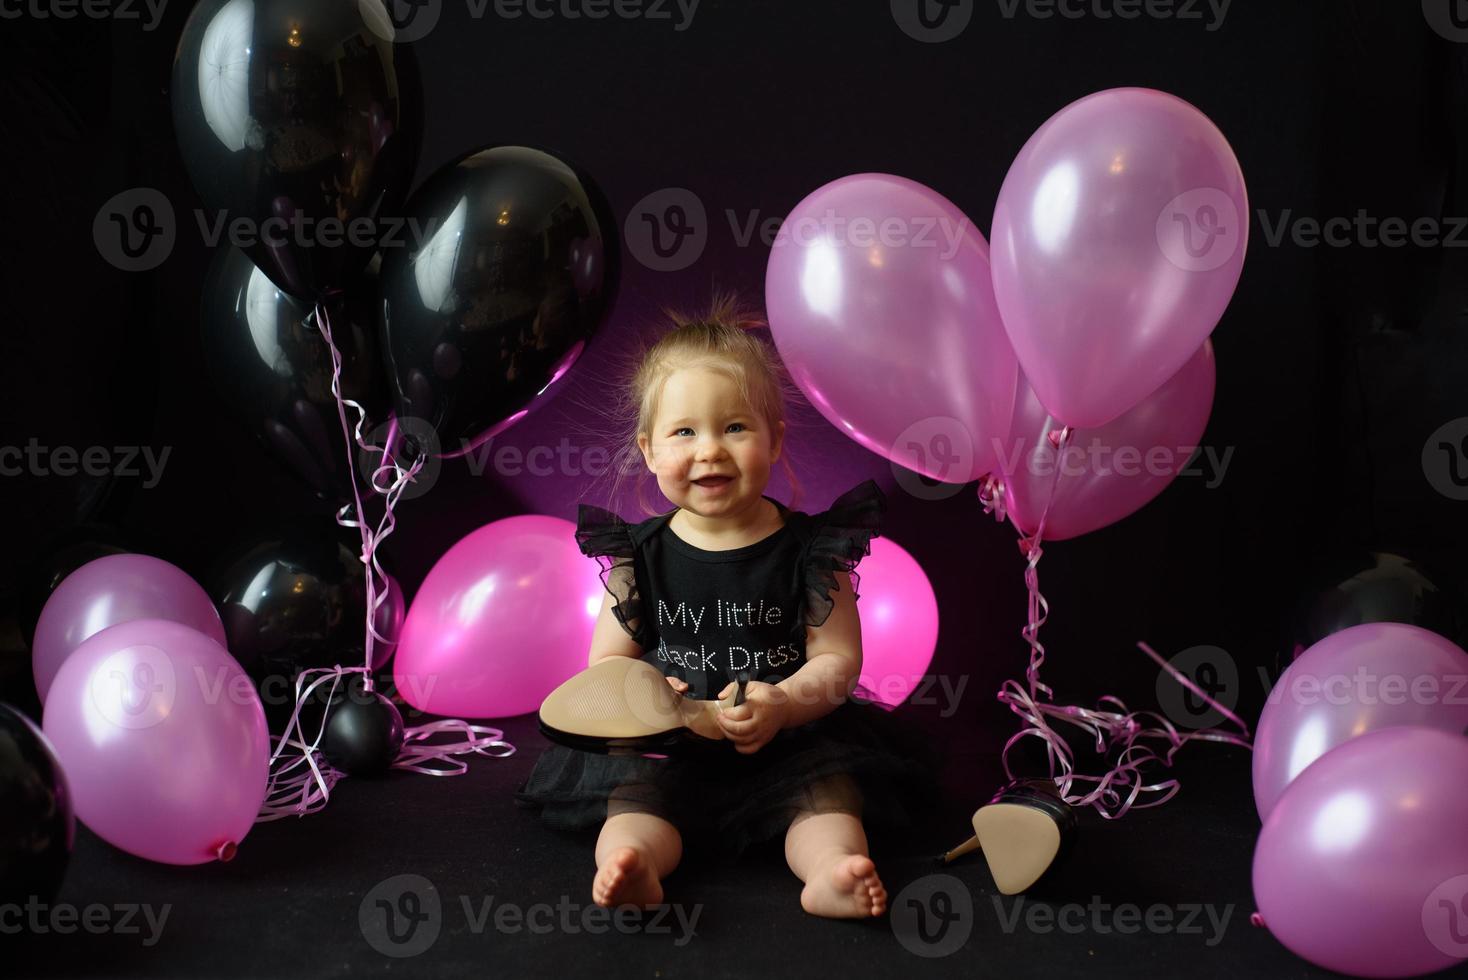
722	340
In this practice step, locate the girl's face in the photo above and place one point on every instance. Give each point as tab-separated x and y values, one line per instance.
710	452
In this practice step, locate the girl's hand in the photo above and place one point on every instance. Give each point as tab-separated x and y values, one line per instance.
752	724
681	686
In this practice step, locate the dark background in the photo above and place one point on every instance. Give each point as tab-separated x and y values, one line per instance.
1335	365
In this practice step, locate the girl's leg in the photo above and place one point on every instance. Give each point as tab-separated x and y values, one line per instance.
635	851
826	847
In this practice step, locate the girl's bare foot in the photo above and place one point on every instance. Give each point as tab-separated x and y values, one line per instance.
626	878
848	888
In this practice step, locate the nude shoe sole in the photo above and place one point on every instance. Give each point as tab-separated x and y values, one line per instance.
624	705
1023	834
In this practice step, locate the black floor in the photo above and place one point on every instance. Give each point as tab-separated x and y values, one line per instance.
292	902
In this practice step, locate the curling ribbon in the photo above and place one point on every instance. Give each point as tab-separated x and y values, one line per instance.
1133	736
301	780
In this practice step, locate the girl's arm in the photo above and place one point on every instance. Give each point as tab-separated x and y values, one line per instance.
609	639
833	661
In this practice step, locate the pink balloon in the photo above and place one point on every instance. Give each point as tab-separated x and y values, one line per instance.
163	739
502	619
1109	472
1362	679
881	303
899	621
1119	236
1362	868
110	590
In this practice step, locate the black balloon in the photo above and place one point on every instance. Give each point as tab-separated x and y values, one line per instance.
303	117
294	600
516	269
272	368
64	554
53	504
37	828
364	732
1375	587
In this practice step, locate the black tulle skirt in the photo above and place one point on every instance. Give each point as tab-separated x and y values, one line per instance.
727	800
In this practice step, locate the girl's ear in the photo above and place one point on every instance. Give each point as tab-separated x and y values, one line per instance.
778	441
644	446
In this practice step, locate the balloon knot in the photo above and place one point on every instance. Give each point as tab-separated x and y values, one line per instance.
226	851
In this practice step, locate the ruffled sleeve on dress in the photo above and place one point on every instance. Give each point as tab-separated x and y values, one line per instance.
607	538
839	539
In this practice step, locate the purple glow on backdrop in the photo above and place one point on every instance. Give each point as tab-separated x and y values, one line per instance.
826	463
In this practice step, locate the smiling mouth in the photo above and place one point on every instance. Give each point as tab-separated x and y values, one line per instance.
713	481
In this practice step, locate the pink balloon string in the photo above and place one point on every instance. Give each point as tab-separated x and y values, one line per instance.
1134	736
991	495
301	780
348	517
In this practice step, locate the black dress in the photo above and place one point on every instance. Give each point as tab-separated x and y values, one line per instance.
705	616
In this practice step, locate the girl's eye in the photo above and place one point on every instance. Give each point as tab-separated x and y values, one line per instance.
683	430
737	425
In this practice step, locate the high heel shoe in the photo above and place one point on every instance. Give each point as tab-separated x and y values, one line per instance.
625	706
1023	832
